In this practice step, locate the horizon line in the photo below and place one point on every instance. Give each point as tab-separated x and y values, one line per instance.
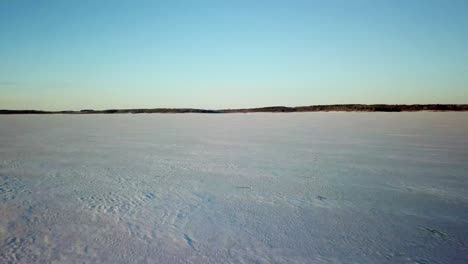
308	108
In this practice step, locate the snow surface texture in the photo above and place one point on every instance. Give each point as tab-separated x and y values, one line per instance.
234	188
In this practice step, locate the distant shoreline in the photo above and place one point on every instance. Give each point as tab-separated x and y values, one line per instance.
269	109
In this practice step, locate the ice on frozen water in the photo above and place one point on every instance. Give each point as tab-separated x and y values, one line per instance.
234	188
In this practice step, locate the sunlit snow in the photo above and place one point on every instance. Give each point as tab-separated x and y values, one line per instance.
234	188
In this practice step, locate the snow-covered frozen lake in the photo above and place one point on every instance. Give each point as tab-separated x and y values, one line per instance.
234	188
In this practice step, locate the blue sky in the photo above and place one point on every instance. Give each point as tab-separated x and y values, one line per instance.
227	54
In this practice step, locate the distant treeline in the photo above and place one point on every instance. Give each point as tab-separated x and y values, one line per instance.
270	109
355	108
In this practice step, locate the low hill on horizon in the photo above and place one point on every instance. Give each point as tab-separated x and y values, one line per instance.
268	109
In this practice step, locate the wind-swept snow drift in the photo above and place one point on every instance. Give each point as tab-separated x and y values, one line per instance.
239	188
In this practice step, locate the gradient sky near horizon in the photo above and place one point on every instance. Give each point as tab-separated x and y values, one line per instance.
58	55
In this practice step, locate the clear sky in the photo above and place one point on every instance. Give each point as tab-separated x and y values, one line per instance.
58	55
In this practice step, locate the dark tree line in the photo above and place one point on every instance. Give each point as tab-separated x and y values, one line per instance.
272	109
